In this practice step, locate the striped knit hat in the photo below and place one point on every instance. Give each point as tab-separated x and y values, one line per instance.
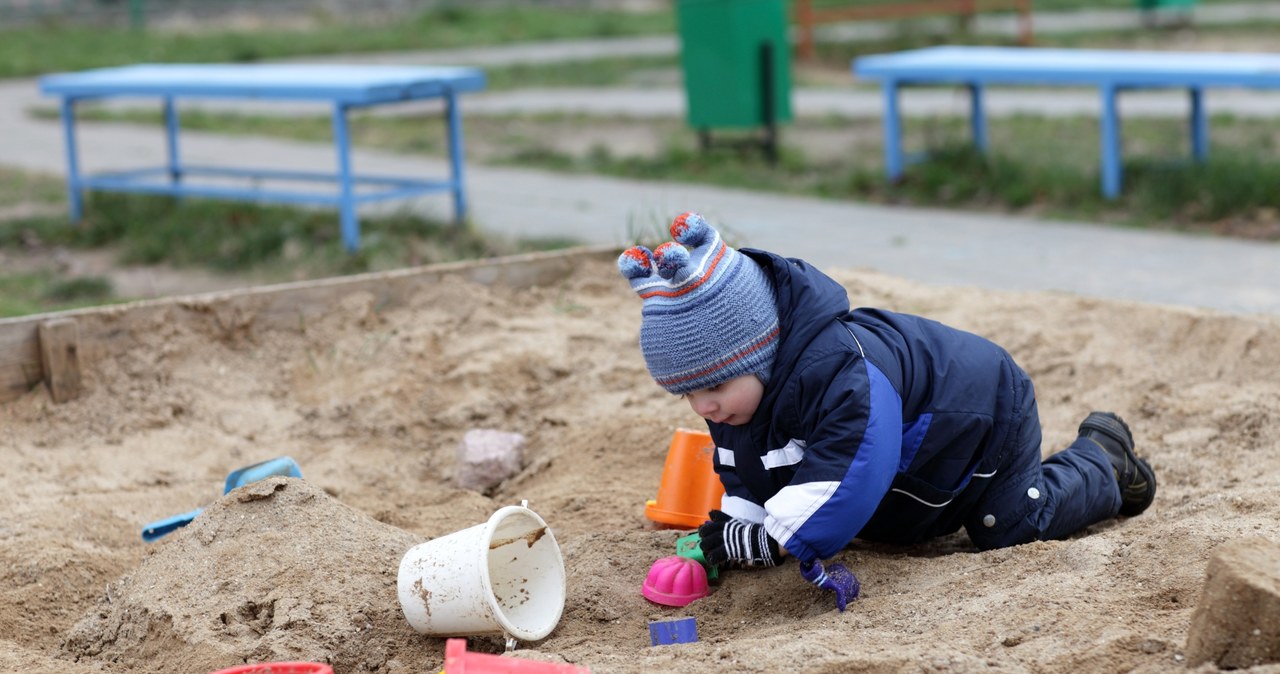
709	312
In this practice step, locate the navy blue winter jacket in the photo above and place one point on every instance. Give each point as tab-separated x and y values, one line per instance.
871	425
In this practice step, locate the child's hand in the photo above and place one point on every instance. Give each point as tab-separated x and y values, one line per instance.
835	577
726	539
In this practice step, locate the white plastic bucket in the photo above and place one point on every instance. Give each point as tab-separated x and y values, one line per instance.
503	576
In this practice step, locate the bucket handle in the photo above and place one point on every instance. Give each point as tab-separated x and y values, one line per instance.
510	641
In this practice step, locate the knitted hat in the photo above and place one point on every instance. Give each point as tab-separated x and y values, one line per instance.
709	312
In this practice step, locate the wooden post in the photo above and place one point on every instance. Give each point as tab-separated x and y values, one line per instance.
60	354
1025	35
804	21
968	9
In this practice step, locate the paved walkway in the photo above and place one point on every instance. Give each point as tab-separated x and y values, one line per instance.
928	245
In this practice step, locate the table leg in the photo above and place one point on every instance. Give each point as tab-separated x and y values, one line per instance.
454	120
1199	126
892	125
171	136
977	117
346	202
1110	120
73	163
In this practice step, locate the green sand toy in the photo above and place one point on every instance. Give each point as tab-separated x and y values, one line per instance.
689	546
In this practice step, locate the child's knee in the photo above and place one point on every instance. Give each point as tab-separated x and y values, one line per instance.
1013	517
994	536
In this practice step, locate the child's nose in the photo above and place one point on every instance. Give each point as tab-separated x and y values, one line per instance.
703	407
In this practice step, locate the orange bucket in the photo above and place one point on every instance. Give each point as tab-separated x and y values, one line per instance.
690	487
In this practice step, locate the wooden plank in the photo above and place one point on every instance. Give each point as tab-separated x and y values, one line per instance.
806	17
60	354
21	367
910	10
289	306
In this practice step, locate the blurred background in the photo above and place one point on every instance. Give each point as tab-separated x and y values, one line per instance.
608	88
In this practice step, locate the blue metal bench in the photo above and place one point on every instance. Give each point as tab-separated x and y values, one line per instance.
342	86
1111	71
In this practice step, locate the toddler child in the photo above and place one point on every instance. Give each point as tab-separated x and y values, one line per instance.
831	424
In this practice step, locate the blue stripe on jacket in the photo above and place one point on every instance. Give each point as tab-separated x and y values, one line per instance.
815	519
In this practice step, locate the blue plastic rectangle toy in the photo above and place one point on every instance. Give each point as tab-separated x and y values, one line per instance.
676	631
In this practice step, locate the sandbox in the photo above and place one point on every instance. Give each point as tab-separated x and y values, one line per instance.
370	382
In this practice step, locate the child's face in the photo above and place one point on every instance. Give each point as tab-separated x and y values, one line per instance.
733	402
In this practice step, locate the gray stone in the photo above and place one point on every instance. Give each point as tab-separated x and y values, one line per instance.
487	457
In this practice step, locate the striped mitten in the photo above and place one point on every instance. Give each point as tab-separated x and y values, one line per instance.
728	540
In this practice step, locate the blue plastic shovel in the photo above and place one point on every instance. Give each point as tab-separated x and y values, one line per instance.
282	466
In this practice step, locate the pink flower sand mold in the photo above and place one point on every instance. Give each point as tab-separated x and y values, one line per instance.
675	581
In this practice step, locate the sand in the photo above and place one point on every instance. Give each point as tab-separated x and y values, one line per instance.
372	403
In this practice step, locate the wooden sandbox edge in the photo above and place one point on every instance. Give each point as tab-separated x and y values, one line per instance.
53	348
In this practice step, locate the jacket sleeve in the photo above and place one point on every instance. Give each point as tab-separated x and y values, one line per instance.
853	418
737	501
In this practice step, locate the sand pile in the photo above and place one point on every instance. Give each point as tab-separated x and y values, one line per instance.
371	401
251	579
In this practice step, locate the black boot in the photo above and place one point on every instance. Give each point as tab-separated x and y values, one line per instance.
1136	479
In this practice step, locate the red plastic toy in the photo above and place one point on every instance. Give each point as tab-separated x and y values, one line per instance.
458	661
675	581
279	668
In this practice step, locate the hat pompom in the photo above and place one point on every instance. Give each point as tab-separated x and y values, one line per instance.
691	230
636	262
670	258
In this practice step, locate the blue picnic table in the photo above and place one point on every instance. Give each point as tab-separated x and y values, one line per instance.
343	87
1111	71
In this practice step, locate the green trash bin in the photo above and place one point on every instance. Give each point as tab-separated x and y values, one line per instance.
737	65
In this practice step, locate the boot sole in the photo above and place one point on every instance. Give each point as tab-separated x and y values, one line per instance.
1117	428
1144	468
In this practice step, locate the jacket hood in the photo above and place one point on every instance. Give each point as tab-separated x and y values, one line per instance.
808	300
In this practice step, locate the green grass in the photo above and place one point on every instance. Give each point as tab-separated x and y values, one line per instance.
914	35
264	244
43	291
51	47
275	241
1037	165
54	46
594	73
19	187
